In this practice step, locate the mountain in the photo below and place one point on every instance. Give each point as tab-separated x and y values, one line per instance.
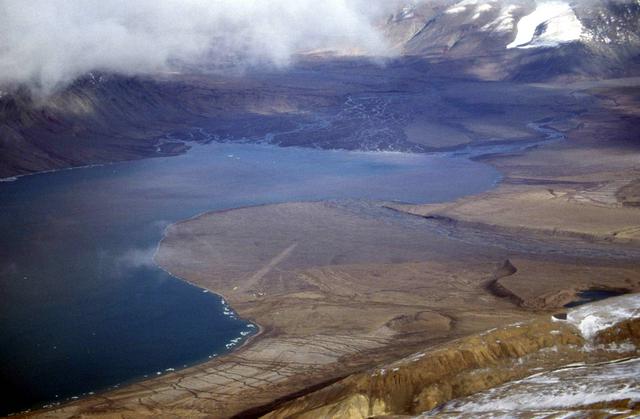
103	117
523	40
97	119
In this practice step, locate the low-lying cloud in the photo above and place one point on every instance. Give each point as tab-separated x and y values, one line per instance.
46	44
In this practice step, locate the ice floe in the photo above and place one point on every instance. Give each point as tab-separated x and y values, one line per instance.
233	342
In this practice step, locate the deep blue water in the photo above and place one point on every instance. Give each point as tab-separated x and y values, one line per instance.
589	296
83	305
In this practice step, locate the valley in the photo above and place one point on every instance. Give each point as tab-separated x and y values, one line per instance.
401	278
449	229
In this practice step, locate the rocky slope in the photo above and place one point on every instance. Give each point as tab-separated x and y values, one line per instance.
592	334
103	118
97	119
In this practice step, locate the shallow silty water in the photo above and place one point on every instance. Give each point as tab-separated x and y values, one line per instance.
84	306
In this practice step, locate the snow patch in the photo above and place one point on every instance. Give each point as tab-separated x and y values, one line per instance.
481	9
455	10
621	348
505	22
407	12
570	387
593	318
478	7
551	24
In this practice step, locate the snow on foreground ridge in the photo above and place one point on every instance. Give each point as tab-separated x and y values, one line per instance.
595	317
561	25
550	394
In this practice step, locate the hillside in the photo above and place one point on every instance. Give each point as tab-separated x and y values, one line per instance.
577	350
103	117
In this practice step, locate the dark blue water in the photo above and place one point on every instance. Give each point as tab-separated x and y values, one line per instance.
83	305
589	296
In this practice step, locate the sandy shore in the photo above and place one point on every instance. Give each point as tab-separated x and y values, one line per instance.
342	287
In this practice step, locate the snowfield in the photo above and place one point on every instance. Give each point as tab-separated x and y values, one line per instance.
592	318
553	392
560	25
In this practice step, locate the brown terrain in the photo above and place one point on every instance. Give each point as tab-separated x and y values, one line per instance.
383	308
425	380
339	289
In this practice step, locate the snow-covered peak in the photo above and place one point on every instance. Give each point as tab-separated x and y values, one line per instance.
523	39
552	23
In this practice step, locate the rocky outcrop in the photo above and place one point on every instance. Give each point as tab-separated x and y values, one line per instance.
629	195
425	380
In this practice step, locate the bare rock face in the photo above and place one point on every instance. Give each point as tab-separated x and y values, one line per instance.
425	380
629	195
625	331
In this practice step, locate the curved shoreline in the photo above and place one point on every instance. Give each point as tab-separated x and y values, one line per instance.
552	135
260	335
398	166
257	336
247	340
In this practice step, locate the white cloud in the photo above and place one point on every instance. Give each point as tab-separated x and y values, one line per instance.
48	43
136	258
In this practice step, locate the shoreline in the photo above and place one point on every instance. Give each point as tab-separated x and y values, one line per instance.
247	342
259	338
10	179
255	337
447	152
